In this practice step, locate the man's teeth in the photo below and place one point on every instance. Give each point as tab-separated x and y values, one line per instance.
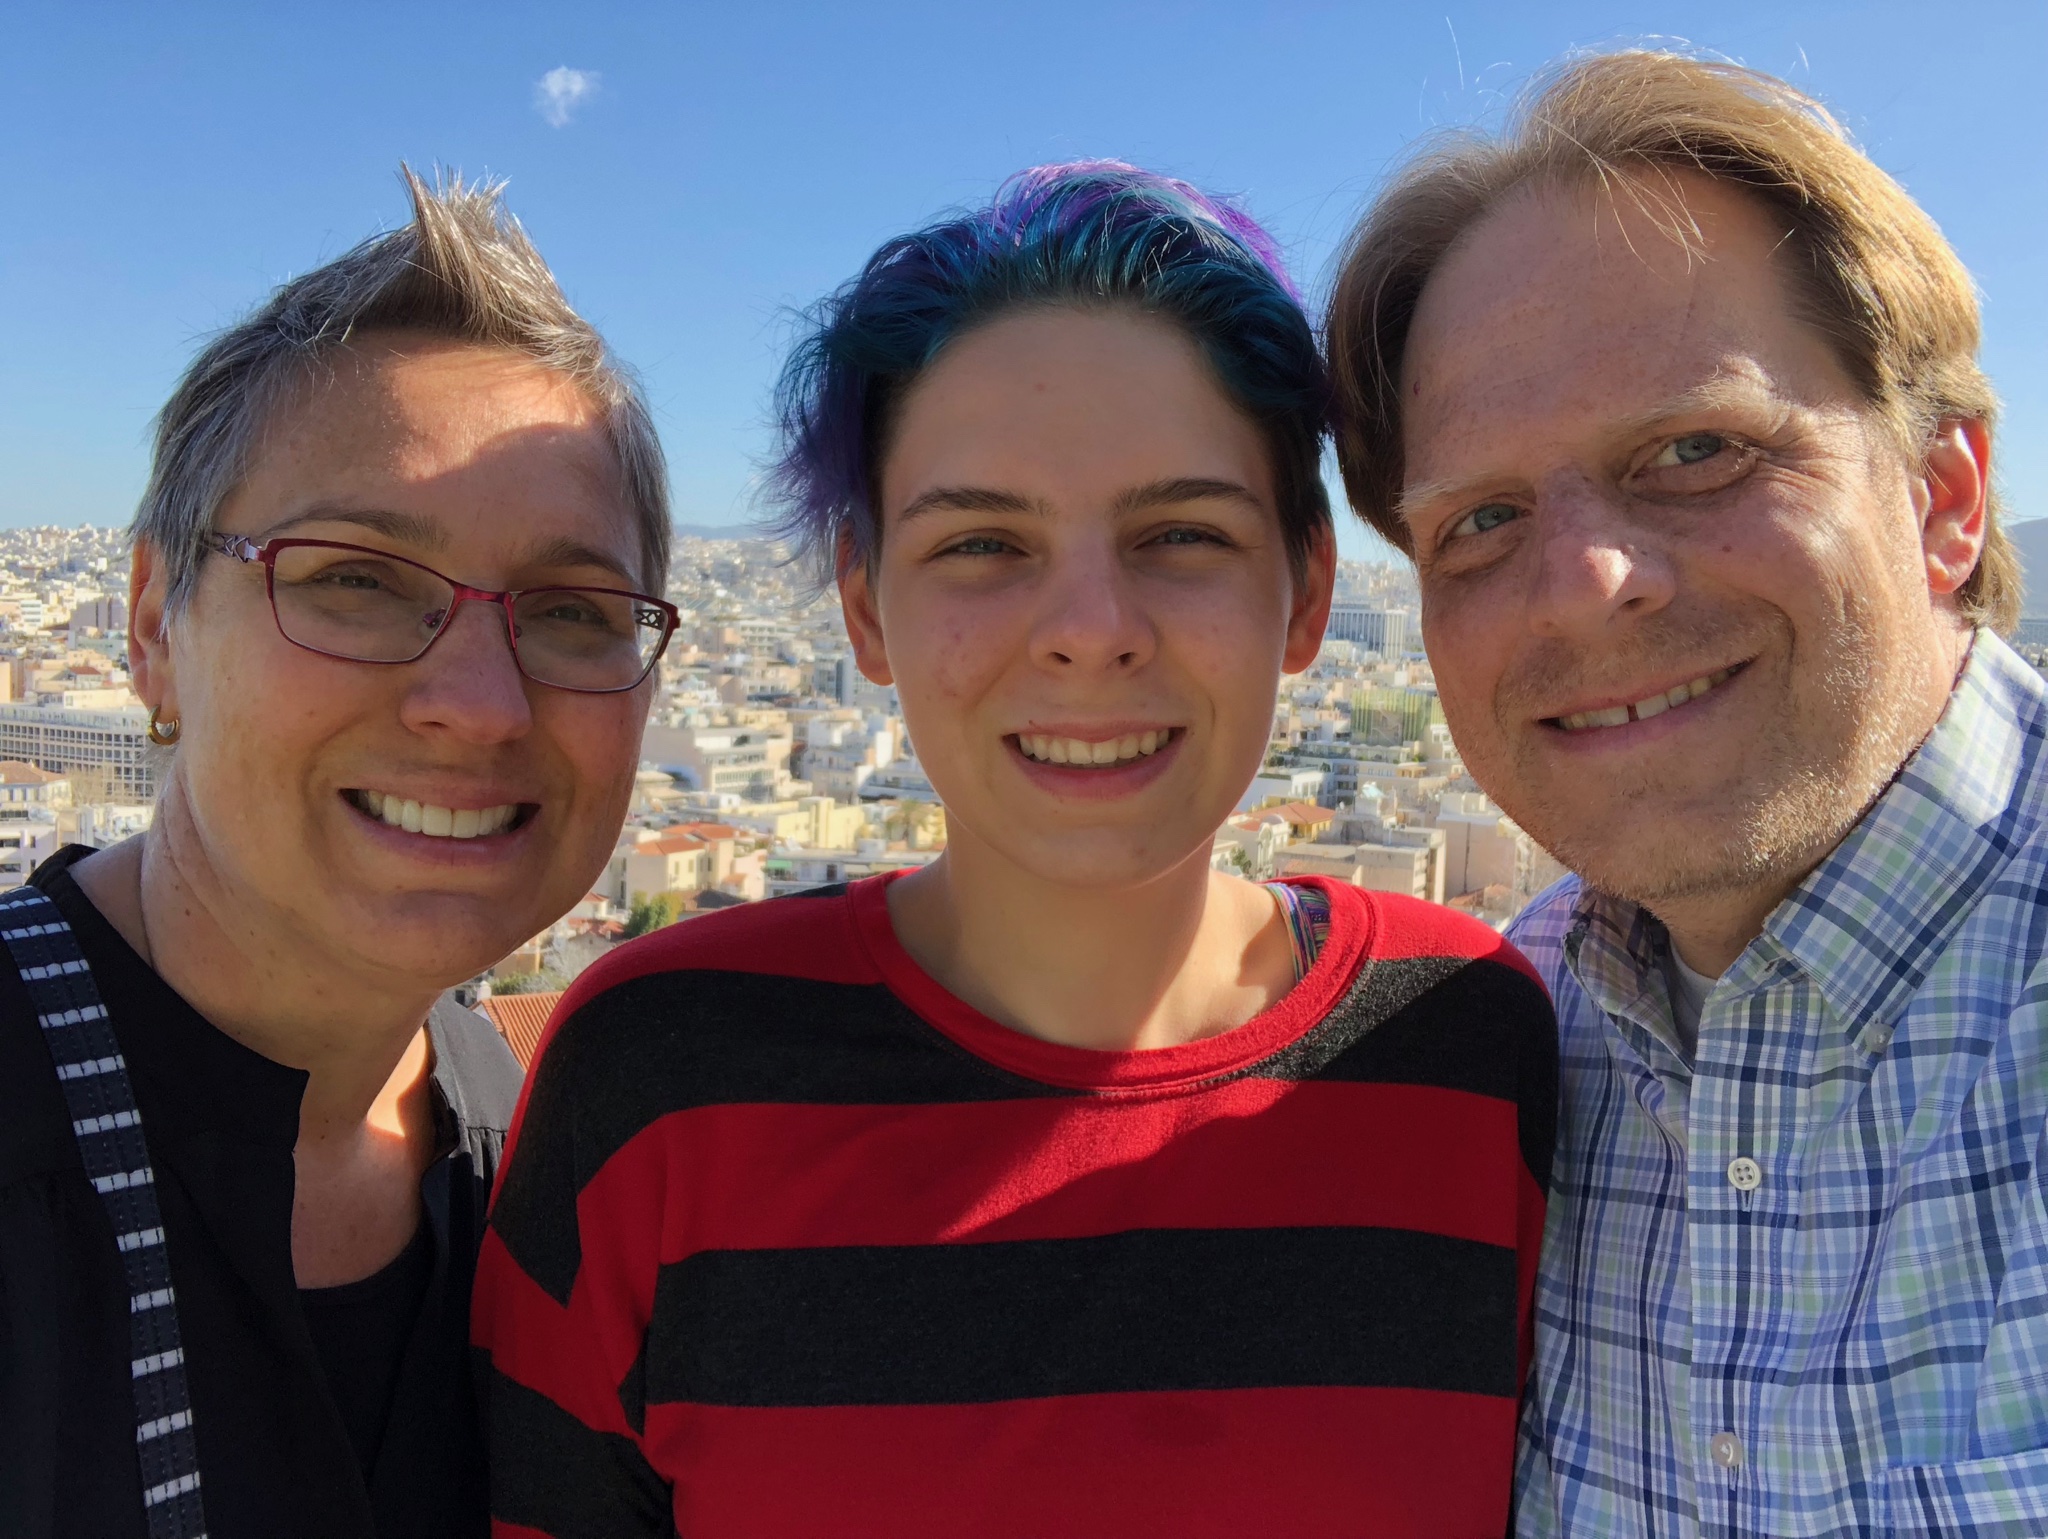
439	822
1643	710
1115	750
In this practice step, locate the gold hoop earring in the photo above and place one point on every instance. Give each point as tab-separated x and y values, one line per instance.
162	733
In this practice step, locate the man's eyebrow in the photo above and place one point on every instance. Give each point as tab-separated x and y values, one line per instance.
967	499
1720	393
411	528
1159	494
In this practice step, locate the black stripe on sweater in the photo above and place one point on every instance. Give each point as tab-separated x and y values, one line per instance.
1144	1310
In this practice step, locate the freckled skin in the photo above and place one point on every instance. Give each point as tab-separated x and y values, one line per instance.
501	456
1766	521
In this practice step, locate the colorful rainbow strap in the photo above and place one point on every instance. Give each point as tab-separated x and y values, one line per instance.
1307	912
94	1078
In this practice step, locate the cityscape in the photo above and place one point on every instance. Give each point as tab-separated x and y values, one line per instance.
771	765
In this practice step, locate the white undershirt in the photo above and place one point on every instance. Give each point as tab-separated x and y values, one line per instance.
1689	991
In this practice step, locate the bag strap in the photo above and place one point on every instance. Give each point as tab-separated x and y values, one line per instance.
104	1119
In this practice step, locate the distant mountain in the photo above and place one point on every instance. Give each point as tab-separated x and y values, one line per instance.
2030	539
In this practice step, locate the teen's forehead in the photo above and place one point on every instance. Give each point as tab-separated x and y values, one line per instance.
1066	407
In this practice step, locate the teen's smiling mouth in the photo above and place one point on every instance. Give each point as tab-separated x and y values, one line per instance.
1095	762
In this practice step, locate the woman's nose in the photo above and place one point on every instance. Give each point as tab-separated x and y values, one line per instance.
468	682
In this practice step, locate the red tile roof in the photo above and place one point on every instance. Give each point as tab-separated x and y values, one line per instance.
520	1019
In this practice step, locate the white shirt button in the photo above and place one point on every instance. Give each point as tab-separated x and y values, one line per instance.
1745	1175
1726	1449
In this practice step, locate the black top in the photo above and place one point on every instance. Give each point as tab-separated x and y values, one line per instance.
361	1330
275	1448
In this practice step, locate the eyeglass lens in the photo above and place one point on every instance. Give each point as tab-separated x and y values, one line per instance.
356	605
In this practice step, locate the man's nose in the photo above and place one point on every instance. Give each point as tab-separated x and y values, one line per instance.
1091	616
1594	563
469	683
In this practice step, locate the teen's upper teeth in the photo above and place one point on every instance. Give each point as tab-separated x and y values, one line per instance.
440	822
1643	710
1072	750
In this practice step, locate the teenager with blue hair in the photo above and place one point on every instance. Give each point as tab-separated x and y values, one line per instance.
1066	1185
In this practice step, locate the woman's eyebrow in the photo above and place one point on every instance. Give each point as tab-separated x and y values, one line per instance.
411	528
563	551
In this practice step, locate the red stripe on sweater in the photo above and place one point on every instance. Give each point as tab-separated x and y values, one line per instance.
1253	1154
1298	1463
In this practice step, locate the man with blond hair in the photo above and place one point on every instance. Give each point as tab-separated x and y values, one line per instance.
1673	397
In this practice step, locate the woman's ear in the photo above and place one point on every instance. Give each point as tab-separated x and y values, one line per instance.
1313	587
149	647
863	617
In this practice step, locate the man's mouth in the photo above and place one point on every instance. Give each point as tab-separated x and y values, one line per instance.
1643	710
1108	753
438	822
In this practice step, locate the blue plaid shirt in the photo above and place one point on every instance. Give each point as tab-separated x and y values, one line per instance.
1848	1334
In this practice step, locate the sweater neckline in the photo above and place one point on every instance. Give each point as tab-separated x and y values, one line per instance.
1353	922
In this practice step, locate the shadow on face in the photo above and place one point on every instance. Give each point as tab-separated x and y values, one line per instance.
498	474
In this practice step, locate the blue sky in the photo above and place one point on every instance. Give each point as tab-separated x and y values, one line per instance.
166	165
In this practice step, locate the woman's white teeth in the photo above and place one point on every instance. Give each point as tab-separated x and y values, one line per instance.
1072	750
1643	710
439	822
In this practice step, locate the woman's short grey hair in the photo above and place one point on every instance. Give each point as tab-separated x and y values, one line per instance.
463	270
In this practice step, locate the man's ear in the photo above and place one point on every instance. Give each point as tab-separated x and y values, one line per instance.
1311	609
149	647
863	618
1952	493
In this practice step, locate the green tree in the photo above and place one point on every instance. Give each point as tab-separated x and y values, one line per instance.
653	913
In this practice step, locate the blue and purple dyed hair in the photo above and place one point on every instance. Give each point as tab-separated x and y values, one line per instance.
1090	233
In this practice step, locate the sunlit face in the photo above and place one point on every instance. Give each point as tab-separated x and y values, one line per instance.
1083	596
1673	577
496	473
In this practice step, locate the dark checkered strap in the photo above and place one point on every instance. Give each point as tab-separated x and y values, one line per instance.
94	1078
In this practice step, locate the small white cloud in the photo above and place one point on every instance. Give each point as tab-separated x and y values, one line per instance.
561	91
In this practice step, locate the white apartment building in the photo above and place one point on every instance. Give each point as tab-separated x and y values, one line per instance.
84	744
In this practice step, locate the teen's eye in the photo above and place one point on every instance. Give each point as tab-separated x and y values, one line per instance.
976	545
1484	518
1692	449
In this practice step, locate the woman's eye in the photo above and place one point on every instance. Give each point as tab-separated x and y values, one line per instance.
1487	516
1692	449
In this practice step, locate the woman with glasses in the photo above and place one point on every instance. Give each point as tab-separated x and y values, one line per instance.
394	618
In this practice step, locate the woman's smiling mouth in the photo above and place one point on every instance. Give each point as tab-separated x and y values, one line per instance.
435	821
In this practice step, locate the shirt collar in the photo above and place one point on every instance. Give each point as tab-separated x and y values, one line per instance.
1868	923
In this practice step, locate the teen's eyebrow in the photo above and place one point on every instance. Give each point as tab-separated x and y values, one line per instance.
1157	494
967	499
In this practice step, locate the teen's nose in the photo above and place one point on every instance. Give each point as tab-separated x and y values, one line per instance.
1090	617
1594	565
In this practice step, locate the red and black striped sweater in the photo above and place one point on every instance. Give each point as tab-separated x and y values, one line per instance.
790	1242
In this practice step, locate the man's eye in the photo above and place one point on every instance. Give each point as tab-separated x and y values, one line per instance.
1186	537
1689	450
1486	516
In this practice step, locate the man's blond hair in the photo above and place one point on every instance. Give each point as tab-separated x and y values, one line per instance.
1872	273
